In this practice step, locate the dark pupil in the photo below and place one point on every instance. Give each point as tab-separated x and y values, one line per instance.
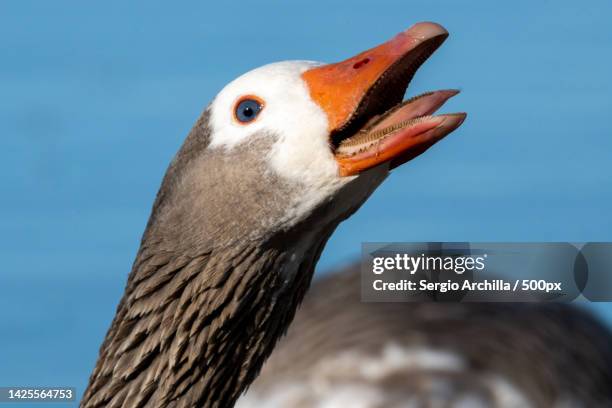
247	110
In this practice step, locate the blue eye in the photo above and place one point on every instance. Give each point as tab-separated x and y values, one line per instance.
247	110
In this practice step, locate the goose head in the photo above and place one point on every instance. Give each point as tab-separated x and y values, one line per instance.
290	138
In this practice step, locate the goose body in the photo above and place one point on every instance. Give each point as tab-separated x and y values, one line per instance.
340	352
279	158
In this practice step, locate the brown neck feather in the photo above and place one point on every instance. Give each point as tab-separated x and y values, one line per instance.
194	331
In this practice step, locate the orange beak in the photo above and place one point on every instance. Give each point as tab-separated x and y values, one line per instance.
361	98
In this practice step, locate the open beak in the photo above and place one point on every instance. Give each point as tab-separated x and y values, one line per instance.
362	97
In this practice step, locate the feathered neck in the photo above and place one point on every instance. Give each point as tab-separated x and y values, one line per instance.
195	330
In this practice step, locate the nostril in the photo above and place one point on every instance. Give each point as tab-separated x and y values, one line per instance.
361	63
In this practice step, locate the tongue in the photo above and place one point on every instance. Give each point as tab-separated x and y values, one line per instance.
401	145
421	105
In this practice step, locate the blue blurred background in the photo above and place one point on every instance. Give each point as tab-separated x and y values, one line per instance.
96	98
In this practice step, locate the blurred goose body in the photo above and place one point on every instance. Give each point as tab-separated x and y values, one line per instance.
341	352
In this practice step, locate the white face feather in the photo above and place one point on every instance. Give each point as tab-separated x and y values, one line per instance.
301	154
302	151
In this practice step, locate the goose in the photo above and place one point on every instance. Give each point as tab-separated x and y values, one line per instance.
341	352
278	159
